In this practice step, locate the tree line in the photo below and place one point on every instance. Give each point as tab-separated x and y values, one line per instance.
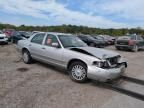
76	29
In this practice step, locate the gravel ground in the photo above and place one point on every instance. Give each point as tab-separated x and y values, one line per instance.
43	86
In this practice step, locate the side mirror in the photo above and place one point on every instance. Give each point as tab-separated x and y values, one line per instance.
56	45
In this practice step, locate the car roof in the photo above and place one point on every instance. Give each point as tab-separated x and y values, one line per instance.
56	33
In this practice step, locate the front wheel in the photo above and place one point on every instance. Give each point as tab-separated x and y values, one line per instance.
118	48
78	72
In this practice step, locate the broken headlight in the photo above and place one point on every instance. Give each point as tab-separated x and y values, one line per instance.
101	64
98	63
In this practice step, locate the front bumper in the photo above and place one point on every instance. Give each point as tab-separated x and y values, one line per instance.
5	40
105	75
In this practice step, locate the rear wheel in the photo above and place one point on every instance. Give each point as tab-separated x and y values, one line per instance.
118	48
78	72
26	57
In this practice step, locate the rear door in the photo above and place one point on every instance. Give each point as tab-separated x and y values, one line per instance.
36	46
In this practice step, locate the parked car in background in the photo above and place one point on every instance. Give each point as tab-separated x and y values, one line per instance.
110	40
8	33
16	36
69	52
91	41
102	39
3	38
33	32
25	34
131	42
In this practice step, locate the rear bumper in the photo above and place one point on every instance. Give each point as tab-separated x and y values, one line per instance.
104	75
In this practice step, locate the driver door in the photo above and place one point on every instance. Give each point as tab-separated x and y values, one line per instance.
52	50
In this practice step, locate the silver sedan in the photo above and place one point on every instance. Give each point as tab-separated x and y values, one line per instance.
69	52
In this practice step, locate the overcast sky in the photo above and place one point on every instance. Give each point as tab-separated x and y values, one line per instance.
92	13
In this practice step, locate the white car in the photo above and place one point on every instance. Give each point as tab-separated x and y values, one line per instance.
69	52
3	38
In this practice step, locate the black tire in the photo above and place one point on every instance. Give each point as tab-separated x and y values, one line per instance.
135	48
92	44
12	41
6	43
26	57
79	77
118	48
101	46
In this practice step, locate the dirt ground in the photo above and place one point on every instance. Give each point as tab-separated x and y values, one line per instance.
40	85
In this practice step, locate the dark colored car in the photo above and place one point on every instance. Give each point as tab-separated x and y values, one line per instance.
25	34
110	40
91	41
16	36
102	39
131	42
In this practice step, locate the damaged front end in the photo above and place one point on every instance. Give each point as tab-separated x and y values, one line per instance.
108	69
109	65
113	62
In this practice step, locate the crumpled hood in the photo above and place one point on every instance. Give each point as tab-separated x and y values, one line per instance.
98	52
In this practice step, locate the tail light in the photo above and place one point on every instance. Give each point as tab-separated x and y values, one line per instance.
131	42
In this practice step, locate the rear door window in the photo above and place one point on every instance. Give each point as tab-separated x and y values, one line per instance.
38	38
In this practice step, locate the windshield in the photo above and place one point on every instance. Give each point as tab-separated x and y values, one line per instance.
98	37
133	37
90	37
24	33
16	33
71	41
